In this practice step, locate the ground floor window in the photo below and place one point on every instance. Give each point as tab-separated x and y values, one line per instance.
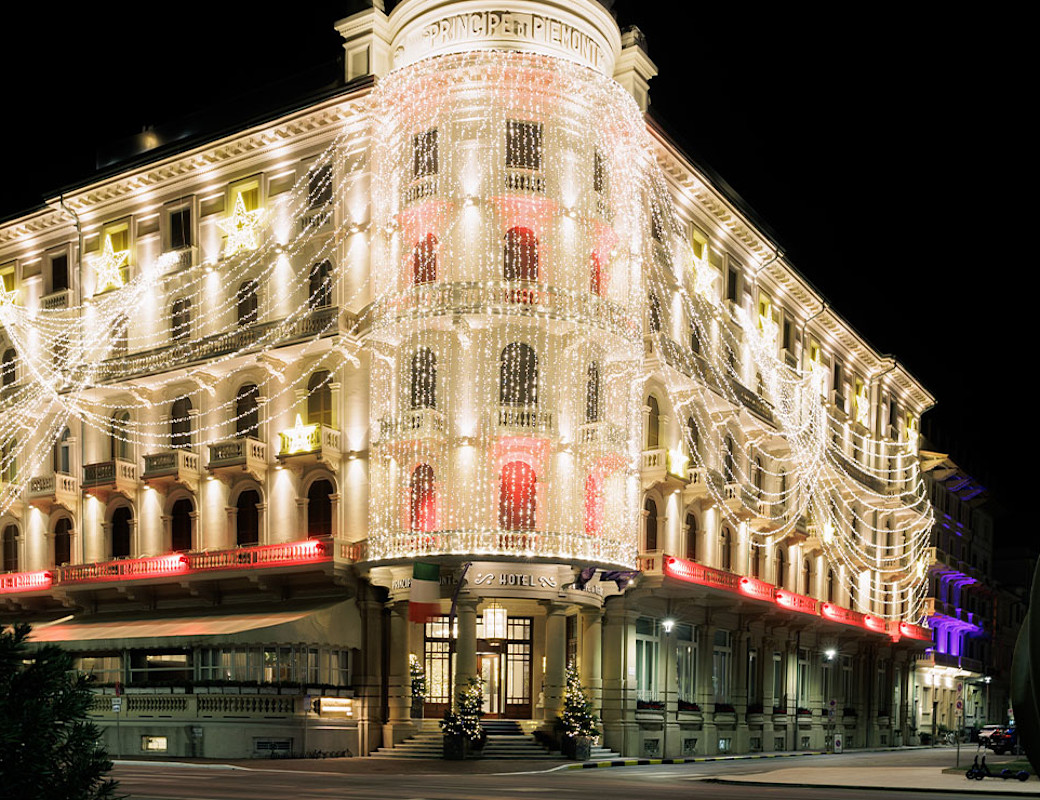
686	664
647	650
721	655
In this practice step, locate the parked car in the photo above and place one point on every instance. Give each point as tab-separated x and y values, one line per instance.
1003	741
986	731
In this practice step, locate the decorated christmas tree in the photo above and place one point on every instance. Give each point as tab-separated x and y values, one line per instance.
465	719
578	717
418	679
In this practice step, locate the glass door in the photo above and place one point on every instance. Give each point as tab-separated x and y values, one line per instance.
490	668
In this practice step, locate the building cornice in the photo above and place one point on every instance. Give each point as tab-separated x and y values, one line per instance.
322	120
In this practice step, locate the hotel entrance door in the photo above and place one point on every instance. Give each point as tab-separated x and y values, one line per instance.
489	667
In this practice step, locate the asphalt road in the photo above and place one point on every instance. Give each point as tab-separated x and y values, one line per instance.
663	782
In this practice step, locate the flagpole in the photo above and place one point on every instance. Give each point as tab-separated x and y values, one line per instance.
451	634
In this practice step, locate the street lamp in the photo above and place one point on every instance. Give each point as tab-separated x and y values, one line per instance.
668	623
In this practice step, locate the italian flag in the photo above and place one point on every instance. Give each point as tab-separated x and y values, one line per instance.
425	599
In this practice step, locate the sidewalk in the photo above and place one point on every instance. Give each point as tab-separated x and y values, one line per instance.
901	779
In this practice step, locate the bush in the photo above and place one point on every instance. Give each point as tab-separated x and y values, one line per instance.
49	750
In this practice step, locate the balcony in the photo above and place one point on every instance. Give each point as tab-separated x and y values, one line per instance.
597	437
234	457
521	180
522	420
162	470
417	424
697	488
48	491
177	260
420	189
653	466
56	300
111	477
309	444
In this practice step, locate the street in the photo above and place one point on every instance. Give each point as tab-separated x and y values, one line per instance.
404	780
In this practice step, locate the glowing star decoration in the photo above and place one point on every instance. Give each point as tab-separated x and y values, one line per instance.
704	279
300	438
242	228
108	267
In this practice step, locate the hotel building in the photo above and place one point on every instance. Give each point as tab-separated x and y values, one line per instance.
473	308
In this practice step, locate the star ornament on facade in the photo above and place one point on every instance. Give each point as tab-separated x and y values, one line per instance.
703	279
108	267
242	228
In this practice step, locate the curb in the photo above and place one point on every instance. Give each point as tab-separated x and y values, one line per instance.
643	762
877	788
194	765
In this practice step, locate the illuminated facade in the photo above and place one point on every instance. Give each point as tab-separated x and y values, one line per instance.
479	313
964	679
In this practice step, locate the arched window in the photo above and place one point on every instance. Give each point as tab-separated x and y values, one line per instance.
650	526
180	525
830	586
247	410
180	320
758	477
180	423
10	550
593	504
656	319
516	497
521	255
518	375
653	424
728	461
424	260
422	499
694	433
9	461
781	567
319	399
727	549
121	539
756	562
319	509
592	393
247	303
423	379
63	453
691	537
121	447
806	577
9	369
321	285
853	602
595	275
247	518
63	542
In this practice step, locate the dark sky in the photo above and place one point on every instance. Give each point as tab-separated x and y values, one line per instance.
882	148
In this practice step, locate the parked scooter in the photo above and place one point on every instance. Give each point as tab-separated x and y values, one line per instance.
979	771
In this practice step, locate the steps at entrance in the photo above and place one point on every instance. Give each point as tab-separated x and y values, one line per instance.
505	740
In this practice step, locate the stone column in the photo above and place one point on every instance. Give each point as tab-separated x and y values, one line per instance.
555	659
367	682
591	653
766	650
741	742
620	730
398	689
466	645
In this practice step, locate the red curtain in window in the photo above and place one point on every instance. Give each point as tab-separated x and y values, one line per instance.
521	255
424	260
593	505
516	498
423	497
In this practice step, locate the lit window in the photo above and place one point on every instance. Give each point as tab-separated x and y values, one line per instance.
523	145
153	744
424	154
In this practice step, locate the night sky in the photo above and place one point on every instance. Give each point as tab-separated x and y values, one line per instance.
882	150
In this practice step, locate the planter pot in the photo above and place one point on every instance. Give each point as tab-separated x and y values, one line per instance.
202	690
250	690
268	690
231	690
454	748
178	690
582	748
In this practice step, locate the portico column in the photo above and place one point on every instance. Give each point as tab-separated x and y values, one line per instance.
555	659
591	653
466	645
399	698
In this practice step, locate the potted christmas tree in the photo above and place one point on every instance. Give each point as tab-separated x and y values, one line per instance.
579	721
418	684
461	727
